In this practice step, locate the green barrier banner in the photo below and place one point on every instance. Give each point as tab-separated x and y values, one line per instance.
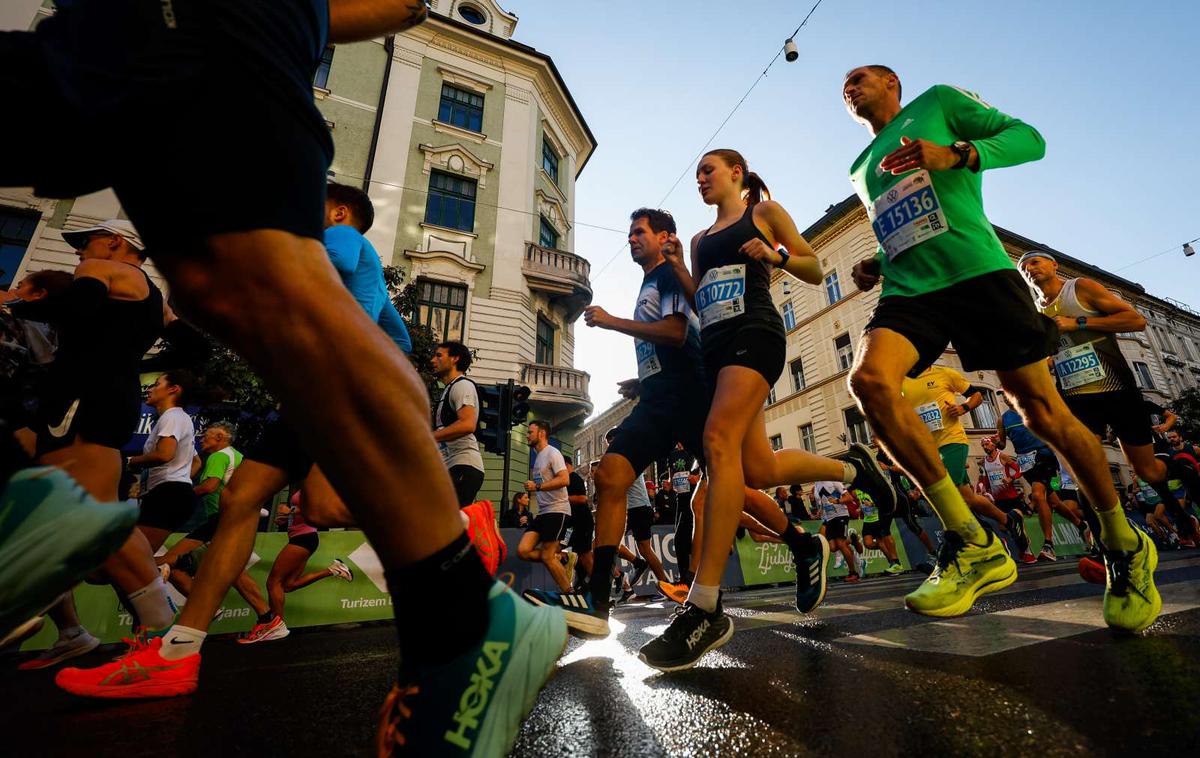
1067	540
771	563
327	601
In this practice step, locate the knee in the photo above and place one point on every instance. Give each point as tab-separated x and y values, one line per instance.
609	478
322	512
235	505
721	443
760	474
870	386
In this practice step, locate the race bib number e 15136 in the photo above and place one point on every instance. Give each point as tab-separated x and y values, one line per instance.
906	214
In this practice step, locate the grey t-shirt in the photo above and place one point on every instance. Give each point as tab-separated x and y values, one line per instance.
637	496
463	451
548	464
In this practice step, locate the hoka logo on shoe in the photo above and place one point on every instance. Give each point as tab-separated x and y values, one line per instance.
475	698
695	636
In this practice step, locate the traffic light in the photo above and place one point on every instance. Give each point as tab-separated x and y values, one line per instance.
492	433
518	404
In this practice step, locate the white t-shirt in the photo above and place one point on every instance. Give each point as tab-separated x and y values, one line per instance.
173	423
637	496
463	451
548	464
828	496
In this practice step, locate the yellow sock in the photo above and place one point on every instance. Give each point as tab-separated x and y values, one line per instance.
1115	530
954	512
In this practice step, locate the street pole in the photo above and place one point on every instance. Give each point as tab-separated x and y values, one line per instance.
507	449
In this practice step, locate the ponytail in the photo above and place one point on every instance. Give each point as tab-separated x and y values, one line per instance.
753	186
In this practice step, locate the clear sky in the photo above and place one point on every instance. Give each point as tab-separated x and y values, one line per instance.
1112	86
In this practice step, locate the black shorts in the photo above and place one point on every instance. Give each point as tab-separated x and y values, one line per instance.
550	527
102	415
205	532
660	420
1044	469
835	528
466	480
308	541
958	315
279	447
168	506
1123	410
583	529
638	522
143	121
1013	503
878	529
761	349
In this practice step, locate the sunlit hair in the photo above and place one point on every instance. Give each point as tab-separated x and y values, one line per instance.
754	188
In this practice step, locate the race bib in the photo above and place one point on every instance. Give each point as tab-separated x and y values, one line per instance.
1026	460
931	416
907	214
647	359
680	483
1065	480
1077	366
996	479
721	294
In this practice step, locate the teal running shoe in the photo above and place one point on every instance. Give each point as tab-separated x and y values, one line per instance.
52	535
473	705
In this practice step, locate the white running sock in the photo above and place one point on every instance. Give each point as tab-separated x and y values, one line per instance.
704	598
848	473
152	605
180	642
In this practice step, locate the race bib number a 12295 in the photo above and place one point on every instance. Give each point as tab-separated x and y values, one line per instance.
1077	366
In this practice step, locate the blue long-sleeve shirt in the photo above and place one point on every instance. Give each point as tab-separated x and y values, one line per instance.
356	261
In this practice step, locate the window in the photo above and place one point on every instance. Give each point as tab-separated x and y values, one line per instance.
856	427
776	442
16	230
1141	373
845	352
796	369
461	108
472	15
549	160
789	316
808	438
1115	473
833	289
321	78
984	417
547	234
545	341
442	308
770	398
451	201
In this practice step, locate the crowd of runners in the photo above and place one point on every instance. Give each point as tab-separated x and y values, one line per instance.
280	270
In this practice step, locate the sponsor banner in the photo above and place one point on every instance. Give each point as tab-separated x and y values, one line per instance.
771	562
1067	540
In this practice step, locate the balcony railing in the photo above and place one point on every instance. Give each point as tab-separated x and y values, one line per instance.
563	275
556	384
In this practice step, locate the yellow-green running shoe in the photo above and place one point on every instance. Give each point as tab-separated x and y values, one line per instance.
963	573
1131	601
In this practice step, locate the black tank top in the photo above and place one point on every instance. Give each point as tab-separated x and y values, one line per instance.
108	347
735	290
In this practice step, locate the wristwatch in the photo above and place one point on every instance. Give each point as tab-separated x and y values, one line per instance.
964	153
538	486
1081	322
965	408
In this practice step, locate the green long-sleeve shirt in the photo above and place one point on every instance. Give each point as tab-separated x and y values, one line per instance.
930	224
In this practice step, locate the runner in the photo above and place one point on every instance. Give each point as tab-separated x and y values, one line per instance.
933	394
1000	473
288	571
1039	466
456	418
583	527
835	522
743	343
1095	378
944	273
544	537
168	453
908	497
877	531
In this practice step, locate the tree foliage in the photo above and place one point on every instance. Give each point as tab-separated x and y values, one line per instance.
1187	407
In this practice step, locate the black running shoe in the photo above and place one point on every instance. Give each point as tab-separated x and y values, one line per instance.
1016	527
639	569
869	477
810	575
692	633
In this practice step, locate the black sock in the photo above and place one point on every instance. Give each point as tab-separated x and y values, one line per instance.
601	580
454	572
264	618
801	545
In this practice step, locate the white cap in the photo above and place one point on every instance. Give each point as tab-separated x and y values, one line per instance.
77	238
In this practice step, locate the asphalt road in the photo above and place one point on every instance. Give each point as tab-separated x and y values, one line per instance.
1031	670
